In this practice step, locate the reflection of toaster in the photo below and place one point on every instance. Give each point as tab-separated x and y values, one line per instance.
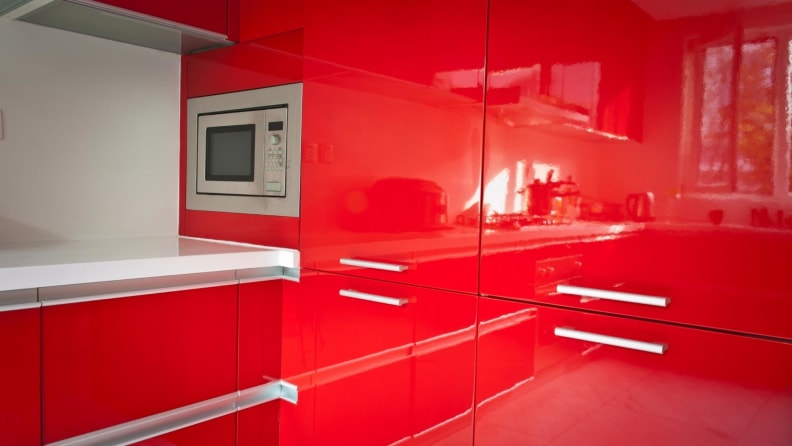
407	204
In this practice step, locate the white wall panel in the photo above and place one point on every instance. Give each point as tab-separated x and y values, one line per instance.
91	140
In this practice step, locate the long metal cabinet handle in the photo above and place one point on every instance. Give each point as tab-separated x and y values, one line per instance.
642	299
631	344
373	265
373	297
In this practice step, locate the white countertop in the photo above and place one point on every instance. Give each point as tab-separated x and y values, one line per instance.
25	265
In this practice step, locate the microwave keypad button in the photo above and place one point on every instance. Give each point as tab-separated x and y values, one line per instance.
274	186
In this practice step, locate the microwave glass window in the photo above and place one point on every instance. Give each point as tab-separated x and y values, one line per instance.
230	153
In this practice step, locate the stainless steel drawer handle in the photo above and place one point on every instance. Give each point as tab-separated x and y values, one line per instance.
395	267
642	299
631	344
373	297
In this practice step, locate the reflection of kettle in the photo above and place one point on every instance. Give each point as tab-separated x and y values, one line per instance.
640	207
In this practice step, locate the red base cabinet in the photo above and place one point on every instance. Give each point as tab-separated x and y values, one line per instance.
20	411
394	362
111	361
704	388
219	431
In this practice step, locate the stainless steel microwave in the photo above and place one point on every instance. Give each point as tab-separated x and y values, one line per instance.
243	151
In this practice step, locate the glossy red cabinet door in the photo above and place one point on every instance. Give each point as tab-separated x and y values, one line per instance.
392	131
211	15
705	388
20	410
260	19
219	431
689	203
277	341
111	361
396	369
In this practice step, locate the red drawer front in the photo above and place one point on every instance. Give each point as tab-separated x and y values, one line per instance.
706	388
219	431
392	130
111	361
20	410
388	373
721	279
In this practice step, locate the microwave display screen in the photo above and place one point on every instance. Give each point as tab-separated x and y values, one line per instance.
230	153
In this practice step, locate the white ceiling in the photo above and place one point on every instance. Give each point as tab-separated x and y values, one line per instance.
672	9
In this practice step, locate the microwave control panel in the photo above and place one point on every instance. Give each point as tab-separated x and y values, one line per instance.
274	152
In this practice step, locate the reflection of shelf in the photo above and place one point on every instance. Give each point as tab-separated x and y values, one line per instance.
378	84
553	119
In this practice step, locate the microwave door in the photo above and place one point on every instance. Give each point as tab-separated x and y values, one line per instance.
230	153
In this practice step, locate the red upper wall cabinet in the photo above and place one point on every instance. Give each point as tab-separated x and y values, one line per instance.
392	133
697	213
266	18
211	15
569	66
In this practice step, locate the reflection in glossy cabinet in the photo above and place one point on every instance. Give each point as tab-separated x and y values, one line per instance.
392	131
394	362
641	148
107	362
705	388
20	412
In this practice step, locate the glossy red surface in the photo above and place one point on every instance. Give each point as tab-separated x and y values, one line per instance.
20	410
391	373
111	361
256	64
642	147
392	131
219	431
708	388
211	15
261	19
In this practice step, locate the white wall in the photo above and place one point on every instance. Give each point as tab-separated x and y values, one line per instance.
91	147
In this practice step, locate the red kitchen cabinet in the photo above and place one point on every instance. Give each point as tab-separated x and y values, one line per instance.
20	410
107	362
392	131
695	212
261	19
218	431
394	362
704	388
211	15
276	341
254	64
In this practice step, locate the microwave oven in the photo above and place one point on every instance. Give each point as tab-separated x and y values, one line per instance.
243	151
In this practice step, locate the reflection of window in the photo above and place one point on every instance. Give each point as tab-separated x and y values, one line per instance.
737	121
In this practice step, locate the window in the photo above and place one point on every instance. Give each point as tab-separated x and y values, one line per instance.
740	117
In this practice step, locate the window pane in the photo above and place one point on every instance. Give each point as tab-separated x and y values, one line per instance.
756	117
716	127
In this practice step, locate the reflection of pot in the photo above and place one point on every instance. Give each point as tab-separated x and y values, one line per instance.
640	207
557	199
